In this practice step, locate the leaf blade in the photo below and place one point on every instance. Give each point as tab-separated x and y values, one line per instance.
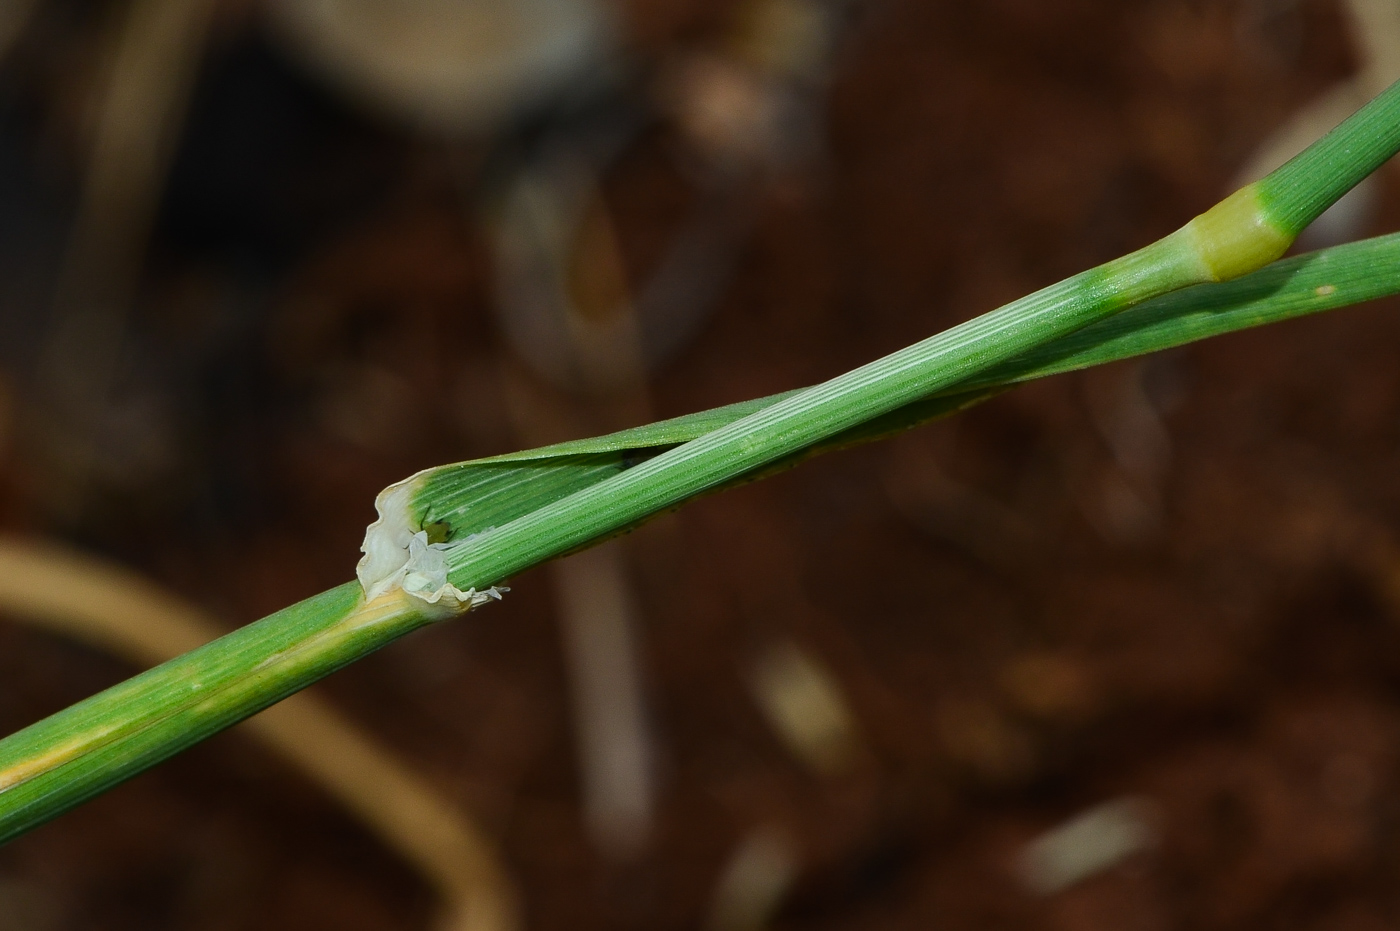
474	496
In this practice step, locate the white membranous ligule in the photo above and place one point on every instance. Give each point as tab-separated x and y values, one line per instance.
397	555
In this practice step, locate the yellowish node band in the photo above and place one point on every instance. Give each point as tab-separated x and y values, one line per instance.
1234	238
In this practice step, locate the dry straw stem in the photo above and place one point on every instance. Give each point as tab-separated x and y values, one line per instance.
155	51
450	533
103	606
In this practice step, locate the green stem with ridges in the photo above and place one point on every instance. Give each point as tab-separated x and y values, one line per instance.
96	744
818	413
87	748
1302	285
1298	192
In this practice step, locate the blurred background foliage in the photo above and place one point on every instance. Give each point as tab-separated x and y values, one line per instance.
1119	649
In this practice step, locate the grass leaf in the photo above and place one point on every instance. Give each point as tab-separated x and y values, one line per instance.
486	493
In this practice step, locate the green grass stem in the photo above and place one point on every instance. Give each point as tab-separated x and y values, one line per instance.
500	517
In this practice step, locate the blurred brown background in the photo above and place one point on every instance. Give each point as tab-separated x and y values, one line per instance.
1116	650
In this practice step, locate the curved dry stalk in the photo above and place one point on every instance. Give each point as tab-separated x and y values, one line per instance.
112	609
155	53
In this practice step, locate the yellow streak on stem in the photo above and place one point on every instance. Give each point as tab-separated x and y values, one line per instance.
391	606
38	765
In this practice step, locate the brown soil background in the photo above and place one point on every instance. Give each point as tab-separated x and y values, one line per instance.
1220	624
